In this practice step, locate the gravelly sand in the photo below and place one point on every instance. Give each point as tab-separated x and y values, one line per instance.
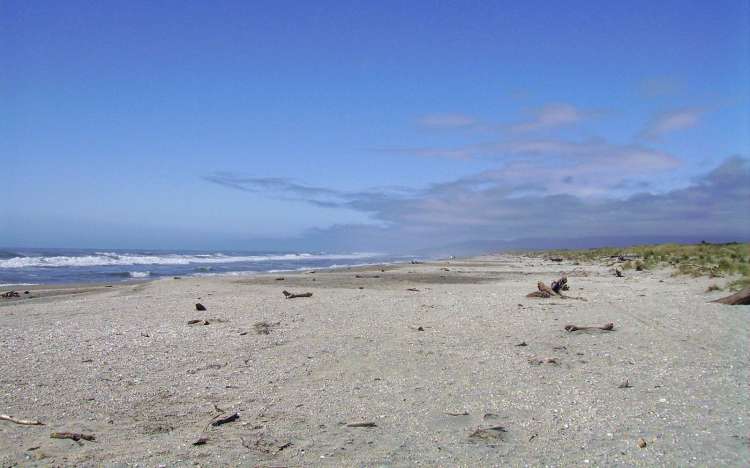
123	364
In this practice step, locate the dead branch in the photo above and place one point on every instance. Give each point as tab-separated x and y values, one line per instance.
740	298
607	327
226	419
198	322
76	436
363	424
25	422
9	294
289	295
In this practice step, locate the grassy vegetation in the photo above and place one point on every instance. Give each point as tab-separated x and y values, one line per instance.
712	260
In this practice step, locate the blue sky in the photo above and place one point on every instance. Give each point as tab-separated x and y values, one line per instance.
384	125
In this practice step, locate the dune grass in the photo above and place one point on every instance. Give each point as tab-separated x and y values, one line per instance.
729	260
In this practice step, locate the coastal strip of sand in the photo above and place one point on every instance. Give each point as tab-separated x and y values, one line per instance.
442	363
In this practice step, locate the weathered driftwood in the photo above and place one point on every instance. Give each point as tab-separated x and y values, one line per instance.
363	424
226	419
289	295
545	291
198	322
560	285
9	294
740	298
25	422
77	436
606	327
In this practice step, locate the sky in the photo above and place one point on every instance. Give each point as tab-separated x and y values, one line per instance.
387	126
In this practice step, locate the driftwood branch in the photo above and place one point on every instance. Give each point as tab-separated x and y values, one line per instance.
77	436
740	298
9	294
289	295
25	422
606	327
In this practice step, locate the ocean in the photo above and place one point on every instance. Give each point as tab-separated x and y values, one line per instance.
57	266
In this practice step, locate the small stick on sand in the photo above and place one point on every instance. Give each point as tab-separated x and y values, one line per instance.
77	436
289	295
607	327
227	419
25	422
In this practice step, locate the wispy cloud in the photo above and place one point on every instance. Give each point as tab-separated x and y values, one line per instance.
672	121
550	116
514	202
446	121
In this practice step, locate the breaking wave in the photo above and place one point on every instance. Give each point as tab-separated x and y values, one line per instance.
113	259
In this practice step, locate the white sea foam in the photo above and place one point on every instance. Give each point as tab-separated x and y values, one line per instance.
140	274
17	284
110	258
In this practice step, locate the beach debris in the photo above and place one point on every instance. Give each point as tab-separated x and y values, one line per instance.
560	285
462	413
412	289
420	328
740	298
445	269
24	422
543	291
365	276
200	306
280	278
489	433
243	333
198	322
289	295
624	384
201	441
642	443
226	419
9	294
76	436
606	327
618	273
362	424
554	290
265	328
145	335
523	343
540	361
556	259
415	262
265	444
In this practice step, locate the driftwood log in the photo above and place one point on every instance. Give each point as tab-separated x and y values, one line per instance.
607	327
289	295
24	422
554	290
77	436
740	298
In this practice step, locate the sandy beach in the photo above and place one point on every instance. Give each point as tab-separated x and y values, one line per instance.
445	363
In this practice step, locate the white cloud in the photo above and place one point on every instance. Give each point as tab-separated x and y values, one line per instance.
672	121
550	116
